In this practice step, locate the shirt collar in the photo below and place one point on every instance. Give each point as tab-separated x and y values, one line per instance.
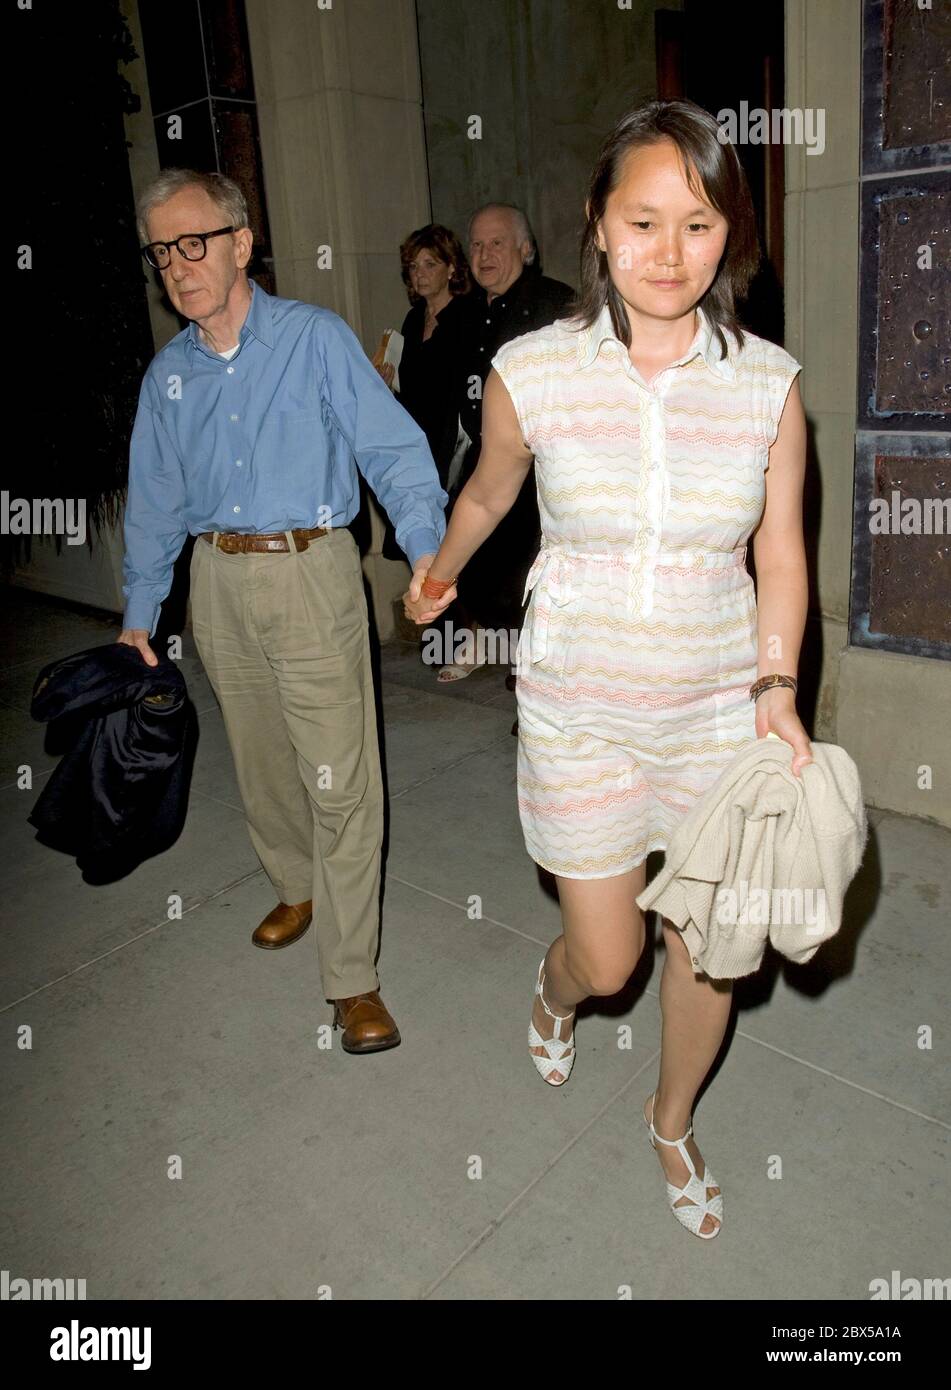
259	323
705	343
514	288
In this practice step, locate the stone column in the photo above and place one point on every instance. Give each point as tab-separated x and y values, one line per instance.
344	156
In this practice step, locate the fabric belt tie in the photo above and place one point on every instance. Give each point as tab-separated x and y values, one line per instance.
241	543
555	564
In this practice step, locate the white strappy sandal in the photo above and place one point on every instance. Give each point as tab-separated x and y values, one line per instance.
701	1204
559	1052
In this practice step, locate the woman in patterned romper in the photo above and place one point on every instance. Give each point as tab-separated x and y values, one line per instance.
664	437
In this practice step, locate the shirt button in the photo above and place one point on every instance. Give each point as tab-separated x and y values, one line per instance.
231	371
234	417
237	509
650	529
238	463
694	959
488	320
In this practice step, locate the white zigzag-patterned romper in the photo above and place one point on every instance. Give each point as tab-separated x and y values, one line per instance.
639	645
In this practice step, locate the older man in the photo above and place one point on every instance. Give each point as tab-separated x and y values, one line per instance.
251	425
512	297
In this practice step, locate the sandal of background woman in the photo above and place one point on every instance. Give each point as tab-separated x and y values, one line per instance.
699	1203
458	670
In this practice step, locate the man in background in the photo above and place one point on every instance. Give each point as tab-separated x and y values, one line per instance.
512	297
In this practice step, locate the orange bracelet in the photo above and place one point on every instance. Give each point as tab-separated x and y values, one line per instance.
435	588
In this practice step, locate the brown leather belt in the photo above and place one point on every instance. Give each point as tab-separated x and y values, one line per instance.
238	543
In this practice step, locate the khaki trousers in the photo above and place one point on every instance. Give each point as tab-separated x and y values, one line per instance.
284	640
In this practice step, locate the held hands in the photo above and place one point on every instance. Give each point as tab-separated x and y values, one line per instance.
776	713
138	637
416	605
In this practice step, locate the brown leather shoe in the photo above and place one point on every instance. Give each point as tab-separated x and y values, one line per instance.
284	925
366	1023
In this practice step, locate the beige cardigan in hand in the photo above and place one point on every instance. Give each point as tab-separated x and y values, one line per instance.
763	853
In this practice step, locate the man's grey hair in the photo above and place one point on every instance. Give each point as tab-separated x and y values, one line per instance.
523	228
222	190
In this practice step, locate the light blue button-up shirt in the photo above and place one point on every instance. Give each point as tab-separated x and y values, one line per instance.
268	440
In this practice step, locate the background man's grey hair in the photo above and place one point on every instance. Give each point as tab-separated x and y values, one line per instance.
222	190
523	228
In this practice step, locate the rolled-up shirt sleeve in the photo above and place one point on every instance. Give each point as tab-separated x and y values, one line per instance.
155	528
390	449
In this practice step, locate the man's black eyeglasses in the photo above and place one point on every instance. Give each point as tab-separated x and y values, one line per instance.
192	246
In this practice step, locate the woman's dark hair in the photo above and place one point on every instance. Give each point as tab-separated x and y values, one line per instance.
446	247
722	184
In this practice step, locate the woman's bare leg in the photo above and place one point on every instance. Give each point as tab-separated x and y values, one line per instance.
596	954
695	1012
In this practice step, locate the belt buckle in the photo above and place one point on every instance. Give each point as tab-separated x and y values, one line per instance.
229	544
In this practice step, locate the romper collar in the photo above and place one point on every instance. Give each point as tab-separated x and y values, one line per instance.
705	344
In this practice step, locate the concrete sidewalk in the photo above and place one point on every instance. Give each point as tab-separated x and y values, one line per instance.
445	1168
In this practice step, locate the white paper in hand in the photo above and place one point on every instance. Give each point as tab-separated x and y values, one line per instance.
393	355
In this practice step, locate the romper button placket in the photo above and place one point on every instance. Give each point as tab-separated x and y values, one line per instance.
656	410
